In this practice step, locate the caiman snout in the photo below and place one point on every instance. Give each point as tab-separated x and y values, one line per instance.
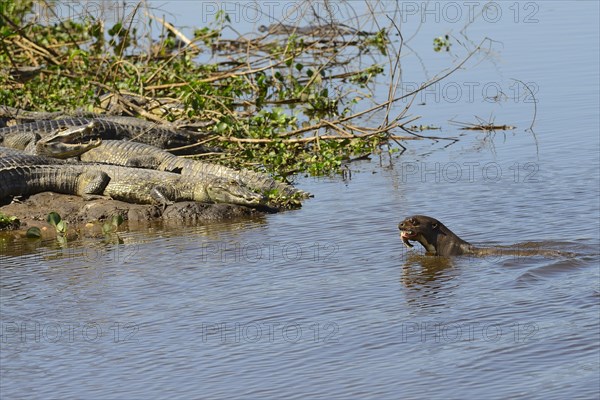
230	191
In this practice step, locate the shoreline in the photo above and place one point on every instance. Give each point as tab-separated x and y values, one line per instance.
76	211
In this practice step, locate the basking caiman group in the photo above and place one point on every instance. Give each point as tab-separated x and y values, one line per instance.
128	159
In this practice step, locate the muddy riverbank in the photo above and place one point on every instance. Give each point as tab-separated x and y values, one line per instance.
75	210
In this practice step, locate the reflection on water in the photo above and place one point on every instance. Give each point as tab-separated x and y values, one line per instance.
82	243
428	280
423	271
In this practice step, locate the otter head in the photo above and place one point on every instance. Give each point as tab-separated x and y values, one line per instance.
422	229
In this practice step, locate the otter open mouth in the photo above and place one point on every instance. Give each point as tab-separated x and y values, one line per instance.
407	235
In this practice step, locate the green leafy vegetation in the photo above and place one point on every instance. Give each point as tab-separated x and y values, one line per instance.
57	222
284	103
110	226
33	233
9	222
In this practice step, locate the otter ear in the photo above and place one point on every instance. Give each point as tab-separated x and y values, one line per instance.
436	226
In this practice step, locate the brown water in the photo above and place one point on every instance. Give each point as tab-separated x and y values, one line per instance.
326	301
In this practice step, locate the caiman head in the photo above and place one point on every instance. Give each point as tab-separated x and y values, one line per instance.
230	191
69	142
426	230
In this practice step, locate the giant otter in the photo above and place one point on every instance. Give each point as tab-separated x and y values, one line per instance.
438	240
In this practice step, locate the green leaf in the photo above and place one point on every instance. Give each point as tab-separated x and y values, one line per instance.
112	225
107	228
33	233
9	220
115	29
62	241
53	219
117	220
61	227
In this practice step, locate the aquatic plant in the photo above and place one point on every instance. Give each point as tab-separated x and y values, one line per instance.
111	225
9	222
296	99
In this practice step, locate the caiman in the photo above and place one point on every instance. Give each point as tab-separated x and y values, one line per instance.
8	113
326	30
438	240
132	154
106	127
23	174
64	143
140	155
72	142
